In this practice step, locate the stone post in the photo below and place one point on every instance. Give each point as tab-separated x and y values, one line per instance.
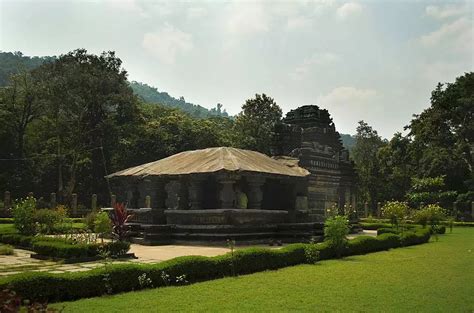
472	210
53	203
74	204
366	209
195	191
7	200
113	200
147	201
379	209
226	194
94	202
422	204
30	194
255	193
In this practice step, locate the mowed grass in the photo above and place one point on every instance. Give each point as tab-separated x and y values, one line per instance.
434	277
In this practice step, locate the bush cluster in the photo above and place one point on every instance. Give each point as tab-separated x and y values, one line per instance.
124	277
61	248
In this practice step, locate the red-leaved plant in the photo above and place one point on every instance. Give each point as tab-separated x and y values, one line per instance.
119	218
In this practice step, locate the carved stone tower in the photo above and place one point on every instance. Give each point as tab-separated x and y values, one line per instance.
308	133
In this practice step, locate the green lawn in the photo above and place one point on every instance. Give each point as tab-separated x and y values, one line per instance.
434	277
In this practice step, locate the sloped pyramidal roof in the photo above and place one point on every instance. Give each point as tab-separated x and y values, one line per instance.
213	160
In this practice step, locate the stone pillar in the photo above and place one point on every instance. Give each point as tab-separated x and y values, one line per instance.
160	194
30	194
7	200
147	201
472	210
366	209
226	194
53	203
172	195
379	209
422	204
74	204
255	193
94	202
113	200
195	191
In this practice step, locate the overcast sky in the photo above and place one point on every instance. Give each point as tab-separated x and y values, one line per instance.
377	61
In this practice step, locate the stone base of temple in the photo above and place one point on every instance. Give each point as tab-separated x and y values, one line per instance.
219	234
225	217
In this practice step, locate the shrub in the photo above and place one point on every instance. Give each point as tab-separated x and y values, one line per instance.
395	211
431	214
102	224
374	226
6	250
24	216
49	219
117	248
120	217
89	220
419	236
335	232
387	230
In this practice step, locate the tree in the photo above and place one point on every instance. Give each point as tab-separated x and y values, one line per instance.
87	104
254	125
396	168
443	134
364	154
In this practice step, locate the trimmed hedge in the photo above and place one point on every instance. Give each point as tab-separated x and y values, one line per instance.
61	248
6	220
124	277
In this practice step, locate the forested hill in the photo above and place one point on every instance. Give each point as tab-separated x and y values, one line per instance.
348	141
13	62
152	95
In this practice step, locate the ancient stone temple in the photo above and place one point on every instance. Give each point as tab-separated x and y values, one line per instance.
191	196
309	134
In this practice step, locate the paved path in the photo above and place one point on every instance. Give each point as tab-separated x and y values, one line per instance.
22	262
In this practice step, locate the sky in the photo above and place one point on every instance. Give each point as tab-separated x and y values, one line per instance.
376	61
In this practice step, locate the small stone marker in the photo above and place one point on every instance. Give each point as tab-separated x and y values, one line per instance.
7	200
74	204
94	202
113	200
52	202
147	202
379	209
366	209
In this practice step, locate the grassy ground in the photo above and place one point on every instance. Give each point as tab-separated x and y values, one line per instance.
435	277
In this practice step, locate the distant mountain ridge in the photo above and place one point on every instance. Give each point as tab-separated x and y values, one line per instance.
151	94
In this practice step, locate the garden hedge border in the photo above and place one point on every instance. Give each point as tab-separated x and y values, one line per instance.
124	277
57	248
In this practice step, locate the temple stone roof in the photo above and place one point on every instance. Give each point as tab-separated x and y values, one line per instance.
214	160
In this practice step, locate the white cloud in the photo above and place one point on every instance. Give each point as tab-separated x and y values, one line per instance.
167	43
349	9
347	96
446	11
317	59
247	18
457	35
298	22
196	12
